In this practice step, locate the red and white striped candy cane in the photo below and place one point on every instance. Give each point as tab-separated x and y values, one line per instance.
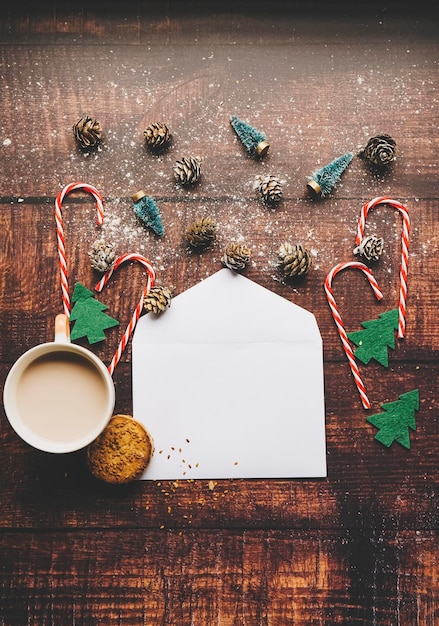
60	233
137	311
402	311
339	322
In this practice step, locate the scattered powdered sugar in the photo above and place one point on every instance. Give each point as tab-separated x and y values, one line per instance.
195	94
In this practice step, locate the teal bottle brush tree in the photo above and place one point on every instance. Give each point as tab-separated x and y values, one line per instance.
148	212
254	141
324	179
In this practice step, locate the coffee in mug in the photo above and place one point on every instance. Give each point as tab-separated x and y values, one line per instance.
58	396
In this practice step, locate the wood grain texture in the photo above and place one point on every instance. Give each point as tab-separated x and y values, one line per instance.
359	547
264	577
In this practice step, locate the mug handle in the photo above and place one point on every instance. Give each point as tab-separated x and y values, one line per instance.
62	329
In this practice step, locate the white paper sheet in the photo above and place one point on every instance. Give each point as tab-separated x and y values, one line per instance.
229	381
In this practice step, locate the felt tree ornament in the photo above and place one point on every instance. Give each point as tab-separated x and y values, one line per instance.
253	140
398	417
376	337
323	180
88	316
148	212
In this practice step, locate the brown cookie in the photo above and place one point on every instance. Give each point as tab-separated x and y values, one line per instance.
121	452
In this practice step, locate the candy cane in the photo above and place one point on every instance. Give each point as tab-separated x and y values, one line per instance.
404	255
137	311
339	322
60	233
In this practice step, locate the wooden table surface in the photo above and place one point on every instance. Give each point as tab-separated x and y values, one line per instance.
357	547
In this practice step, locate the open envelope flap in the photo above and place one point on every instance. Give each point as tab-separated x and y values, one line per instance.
229	381
229	308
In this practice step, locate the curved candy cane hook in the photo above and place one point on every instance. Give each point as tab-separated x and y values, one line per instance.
339	322
60	233
137	311
404	254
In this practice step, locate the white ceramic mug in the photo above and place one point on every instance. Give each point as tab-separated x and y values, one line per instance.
58	396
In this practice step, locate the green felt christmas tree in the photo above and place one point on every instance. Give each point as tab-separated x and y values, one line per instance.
88	317
398	417
148	212
378	335
324	179
254	141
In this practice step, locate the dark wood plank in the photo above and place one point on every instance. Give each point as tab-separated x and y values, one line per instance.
197	20
232	578
308	118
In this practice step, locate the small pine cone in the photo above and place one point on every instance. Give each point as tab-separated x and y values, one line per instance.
294	261
201	233
371	248
88	132
236	256
157	300
270	189
157	136
187	170
102	255
380	150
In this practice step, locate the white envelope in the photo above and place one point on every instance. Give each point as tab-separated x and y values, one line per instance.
229	381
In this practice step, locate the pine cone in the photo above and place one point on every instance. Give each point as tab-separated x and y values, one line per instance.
380	150
236	256
294	261
270	189
157	136
187	171
157	300
201	233
371	248
102	255
88	132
